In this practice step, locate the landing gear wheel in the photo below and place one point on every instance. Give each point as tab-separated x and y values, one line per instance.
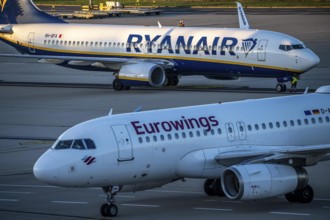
305	195
217	188
109	208
212	187
208	187
280	87
172	81
291	197
117	85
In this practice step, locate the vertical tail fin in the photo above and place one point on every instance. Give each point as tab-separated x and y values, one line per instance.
24	12
243	22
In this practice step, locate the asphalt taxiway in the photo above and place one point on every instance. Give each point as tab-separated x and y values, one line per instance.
40	101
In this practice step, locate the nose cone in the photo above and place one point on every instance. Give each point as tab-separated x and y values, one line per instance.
310	60
46	169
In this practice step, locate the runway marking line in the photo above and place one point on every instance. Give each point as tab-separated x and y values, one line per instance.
290	213
9	200
173	191
11	192
213	209
28	186
140	205
71	202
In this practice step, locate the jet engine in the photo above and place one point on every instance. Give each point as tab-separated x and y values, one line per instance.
142	74
257	181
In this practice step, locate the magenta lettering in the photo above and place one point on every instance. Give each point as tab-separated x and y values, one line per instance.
175	125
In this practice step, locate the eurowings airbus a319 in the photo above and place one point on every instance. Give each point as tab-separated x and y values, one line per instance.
246	150
154	56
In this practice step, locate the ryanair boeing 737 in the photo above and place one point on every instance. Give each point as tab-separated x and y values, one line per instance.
154	56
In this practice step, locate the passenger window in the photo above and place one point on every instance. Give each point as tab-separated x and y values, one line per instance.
249	127
327	119
176	136
162	137
313	120
292	123
147	139
278	124
198	133
63	145
320	120
299	122
183	135
191	134
155	138
219	131
306	121
212	132
89	144
285	124
263	126
205	132
78	144
140	140
169	136
256	126
270	125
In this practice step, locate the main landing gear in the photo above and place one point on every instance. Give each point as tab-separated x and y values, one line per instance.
172	80
304	195
109	209
118	86
212	187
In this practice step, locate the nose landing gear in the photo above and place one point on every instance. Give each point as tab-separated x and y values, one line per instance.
109	209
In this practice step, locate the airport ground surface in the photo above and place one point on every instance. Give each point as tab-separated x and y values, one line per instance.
40	101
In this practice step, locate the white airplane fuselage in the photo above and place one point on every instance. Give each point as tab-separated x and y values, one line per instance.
193	50
164	145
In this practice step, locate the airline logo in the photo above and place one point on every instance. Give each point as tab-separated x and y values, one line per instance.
88	160
2	4
173	44
175	125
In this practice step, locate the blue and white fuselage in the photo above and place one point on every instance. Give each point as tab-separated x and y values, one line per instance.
156	56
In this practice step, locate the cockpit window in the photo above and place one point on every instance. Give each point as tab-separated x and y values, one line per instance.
285	47
63	144
292	47
79	144
298	46
90	144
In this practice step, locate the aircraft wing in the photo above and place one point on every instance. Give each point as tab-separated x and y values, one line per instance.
105	60
291	155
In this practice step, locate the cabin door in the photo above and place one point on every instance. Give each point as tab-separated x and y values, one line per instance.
31	42
124	143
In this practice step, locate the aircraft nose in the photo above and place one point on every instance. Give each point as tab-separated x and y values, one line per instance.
310	60
46	169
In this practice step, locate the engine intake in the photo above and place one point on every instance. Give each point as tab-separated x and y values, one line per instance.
256	181
142	74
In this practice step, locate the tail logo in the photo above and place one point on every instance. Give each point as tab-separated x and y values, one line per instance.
2	4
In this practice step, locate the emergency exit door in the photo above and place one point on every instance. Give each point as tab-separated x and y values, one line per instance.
31	42
124	144
262	50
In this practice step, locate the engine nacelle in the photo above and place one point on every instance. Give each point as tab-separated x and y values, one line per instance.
257	181
142	74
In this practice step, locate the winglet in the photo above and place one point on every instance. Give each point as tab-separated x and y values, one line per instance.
159	24
138	109
306	90
110	112
243	22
